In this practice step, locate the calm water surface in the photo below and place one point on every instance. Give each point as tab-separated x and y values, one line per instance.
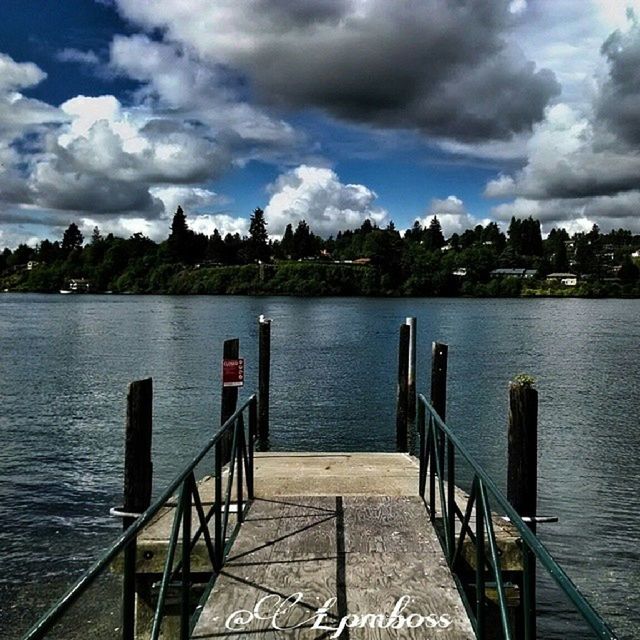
65	363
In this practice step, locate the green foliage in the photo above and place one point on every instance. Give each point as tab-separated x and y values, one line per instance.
368	260
258	242
72	238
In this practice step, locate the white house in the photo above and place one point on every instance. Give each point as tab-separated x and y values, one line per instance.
567	279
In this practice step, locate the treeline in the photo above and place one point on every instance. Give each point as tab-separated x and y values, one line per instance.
368	260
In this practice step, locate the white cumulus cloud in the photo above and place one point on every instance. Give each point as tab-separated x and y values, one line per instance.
452	214
316	195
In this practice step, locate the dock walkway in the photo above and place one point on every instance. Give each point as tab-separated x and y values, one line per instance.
345	530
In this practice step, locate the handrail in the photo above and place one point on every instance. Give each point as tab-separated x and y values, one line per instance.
432	447
186	481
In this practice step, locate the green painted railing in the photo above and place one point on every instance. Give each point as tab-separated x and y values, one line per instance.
240	465
439	448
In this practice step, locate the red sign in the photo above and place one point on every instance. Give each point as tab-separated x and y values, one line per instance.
233	373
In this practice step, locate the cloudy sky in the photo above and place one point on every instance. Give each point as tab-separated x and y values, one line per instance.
113	112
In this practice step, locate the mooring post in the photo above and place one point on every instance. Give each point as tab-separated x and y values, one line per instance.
522	484
138	474
402	401
411	373
264	371
229	403
439	357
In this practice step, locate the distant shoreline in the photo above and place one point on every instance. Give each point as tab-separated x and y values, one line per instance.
392	296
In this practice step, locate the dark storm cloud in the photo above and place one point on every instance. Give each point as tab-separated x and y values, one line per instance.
620	97
443	67
95	194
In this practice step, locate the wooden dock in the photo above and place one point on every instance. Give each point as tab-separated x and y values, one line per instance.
329	545
346	529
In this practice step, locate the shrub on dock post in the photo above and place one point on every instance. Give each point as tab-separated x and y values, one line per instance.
402	401
138	476
264	371
522	479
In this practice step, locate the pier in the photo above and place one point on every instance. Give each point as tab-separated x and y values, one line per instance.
248	542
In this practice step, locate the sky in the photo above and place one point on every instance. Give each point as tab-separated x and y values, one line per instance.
114	112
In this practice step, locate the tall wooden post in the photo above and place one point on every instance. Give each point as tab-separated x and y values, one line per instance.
138	474
439	357
522	482
264	372
411	373
229	403
402	400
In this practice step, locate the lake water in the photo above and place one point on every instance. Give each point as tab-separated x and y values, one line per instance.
65	362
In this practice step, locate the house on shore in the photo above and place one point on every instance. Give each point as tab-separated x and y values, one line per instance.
567	279
79	285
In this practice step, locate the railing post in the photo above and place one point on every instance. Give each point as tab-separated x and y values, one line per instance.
185	613
138	473
217	507
253	420
240	463
522	481
402	441
451	498
480	581
264	374
422	442
432	452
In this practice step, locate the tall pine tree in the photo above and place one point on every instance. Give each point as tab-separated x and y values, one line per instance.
258	244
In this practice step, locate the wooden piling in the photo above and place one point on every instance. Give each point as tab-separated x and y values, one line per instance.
439	357
522	479
411	373
229	402
402	400
264	373
522	469
138	475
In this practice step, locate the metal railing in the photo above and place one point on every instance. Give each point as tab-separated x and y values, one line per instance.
231	445
438	449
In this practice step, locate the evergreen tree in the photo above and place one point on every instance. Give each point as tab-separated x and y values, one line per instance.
433	237
366	227
415	233
258	244
179	239
72	238
491	233
560	259
305	244
586	260
287	245
629	271
215	247
96	237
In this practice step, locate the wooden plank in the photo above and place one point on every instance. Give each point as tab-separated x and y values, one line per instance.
318	474
315	548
